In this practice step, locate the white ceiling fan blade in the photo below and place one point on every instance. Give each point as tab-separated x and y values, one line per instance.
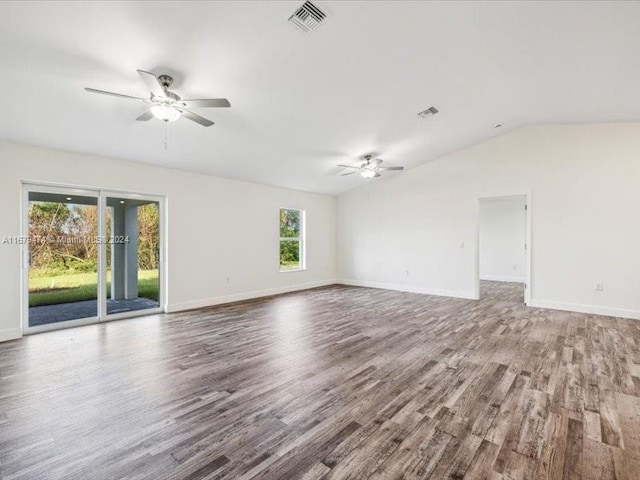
196	118
375	162
152	83
390	168
112	94
207	103
349	173
349	166
146	116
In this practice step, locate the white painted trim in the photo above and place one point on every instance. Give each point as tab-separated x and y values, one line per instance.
161	200
133	314
57	187
301	239
590	309
500	278
100	194
408	288
237	297
28	187
102	258
10	334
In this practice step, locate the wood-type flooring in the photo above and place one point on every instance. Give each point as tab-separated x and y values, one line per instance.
332	383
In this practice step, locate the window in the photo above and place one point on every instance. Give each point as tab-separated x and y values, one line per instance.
291	240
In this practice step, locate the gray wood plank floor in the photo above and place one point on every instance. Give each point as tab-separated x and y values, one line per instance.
332	383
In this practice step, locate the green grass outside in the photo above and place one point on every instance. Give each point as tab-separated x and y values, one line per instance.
289	265
77	287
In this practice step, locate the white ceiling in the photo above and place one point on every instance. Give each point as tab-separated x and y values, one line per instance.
303	103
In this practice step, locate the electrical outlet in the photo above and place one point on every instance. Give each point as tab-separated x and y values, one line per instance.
406	272
515	267
228	279
599	287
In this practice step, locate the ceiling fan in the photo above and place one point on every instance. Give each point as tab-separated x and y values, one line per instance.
369	167
166	105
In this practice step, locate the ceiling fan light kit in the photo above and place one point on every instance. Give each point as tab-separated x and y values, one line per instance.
165	113
166	105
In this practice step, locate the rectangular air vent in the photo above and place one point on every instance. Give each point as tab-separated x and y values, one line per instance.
428	112
307	17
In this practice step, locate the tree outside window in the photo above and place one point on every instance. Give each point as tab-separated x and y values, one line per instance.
291	240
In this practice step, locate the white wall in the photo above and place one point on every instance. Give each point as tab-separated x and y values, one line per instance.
502	235
417	231
218	228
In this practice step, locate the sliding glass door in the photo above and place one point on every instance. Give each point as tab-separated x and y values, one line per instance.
132	224
62	256
89	256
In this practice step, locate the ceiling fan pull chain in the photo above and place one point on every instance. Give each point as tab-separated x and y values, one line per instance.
166	142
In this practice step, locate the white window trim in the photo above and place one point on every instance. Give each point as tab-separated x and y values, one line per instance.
100	194
301	239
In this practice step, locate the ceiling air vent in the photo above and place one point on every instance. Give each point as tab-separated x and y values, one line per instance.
307	17
428	112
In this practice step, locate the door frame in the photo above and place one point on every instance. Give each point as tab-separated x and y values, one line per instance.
100	194
104	316
528	289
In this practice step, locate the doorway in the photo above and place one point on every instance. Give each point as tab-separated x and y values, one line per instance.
503	266
90	256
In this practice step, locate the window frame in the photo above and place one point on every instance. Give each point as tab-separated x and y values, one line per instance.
301	239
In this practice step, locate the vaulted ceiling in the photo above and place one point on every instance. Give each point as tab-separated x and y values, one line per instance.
302	103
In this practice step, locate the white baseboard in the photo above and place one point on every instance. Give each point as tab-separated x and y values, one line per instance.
502	278
409	288
591	309
237	297
10	334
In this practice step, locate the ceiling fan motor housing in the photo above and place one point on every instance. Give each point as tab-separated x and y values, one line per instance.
165	80
171	96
